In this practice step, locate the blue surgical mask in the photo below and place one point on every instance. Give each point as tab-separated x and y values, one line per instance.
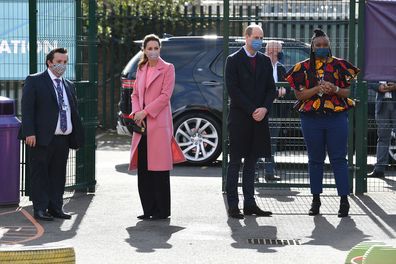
280	55
322	52
257	44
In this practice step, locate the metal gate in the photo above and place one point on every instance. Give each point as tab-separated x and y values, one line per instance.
292	22
31	29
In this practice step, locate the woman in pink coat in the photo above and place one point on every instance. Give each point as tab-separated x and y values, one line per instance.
153	154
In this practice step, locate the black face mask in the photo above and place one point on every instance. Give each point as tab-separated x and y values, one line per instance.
280	55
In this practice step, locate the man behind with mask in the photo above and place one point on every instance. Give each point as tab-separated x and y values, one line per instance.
50	125
251	88
273	50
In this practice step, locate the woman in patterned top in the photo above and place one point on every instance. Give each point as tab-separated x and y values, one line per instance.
321	85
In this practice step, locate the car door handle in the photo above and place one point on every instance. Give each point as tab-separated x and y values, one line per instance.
211	83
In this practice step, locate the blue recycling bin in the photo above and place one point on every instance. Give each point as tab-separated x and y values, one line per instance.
9	149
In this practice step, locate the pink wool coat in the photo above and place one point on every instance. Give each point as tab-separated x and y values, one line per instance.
162	149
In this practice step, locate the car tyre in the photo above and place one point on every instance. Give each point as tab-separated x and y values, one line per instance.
199	137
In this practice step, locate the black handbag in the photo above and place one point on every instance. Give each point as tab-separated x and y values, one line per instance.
131	125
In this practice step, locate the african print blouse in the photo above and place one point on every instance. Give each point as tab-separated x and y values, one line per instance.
334	70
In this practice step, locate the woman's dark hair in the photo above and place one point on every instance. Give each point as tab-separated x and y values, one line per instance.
51	54
146	39
312	67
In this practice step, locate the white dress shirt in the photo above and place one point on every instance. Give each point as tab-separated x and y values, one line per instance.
275	71
66	104
248	54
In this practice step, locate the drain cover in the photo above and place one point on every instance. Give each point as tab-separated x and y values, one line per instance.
280	242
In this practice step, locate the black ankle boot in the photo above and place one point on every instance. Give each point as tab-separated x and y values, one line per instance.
315	205
344	207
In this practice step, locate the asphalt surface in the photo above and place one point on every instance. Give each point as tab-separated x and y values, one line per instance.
104	227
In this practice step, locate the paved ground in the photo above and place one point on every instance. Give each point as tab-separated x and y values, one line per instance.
104	228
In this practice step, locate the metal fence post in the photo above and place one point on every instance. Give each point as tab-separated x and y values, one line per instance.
351	114
361	111
32	69
225	94
87	91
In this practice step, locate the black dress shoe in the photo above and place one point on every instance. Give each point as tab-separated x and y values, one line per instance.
272	177
235	213
344	210
376	174
41	215
159	217
59	214
255	210
144	216
314	208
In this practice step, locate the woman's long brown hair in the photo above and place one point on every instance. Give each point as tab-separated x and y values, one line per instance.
146	39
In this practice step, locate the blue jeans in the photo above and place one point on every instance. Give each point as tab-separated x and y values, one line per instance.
326	133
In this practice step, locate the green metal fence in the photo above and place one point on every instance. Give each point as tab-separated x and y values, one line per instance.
296	20
120	25
31	30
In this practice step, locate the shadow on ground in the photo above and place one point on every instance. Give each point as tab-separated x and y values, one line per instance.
149	235
343	237
59	230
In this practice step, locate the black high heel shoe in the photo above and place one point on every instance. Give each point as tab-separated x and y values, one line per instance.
344	209
314	208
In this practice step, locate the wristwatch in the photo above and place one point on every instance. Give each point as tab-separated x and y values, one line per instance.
337	89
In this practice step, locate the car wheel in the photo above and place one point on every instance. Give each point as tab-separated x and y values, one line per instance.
199	137
392	148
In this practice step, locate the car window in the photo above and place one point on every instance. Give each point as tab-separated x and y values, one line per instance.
181	55
217	65
130	69
292	55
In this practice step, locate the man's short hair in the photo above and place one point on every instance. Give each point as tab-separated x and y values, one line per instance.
51	54
249	29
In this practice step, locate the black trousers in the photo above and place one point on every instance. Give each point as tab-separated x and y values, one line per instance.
154	186
48	173
248	173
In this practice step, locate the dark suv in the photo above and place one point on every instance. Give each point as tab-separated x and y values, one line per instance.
197	100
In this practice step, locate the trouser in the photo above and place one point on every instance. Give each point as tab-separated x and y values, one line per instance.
326	132
386	121
270	162
154	186
48	173
234	166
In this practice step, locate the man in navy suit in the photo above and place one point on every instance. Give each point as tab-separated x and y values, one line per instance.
385	116
50	125
251	87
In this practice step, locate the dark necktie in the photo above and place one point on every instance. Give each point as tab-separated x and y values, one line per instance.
62	112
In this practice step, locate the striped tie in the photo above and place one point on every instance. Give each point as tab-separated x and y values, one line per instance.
62	112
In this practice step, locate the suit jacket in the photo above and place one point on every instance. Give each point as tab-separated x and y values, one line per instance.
40	110
154	97
281	72
249	90
380	96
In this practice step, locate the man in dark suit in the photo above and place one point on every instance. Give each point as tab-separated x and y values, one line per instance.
385	116
50	125
251	88
273	50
